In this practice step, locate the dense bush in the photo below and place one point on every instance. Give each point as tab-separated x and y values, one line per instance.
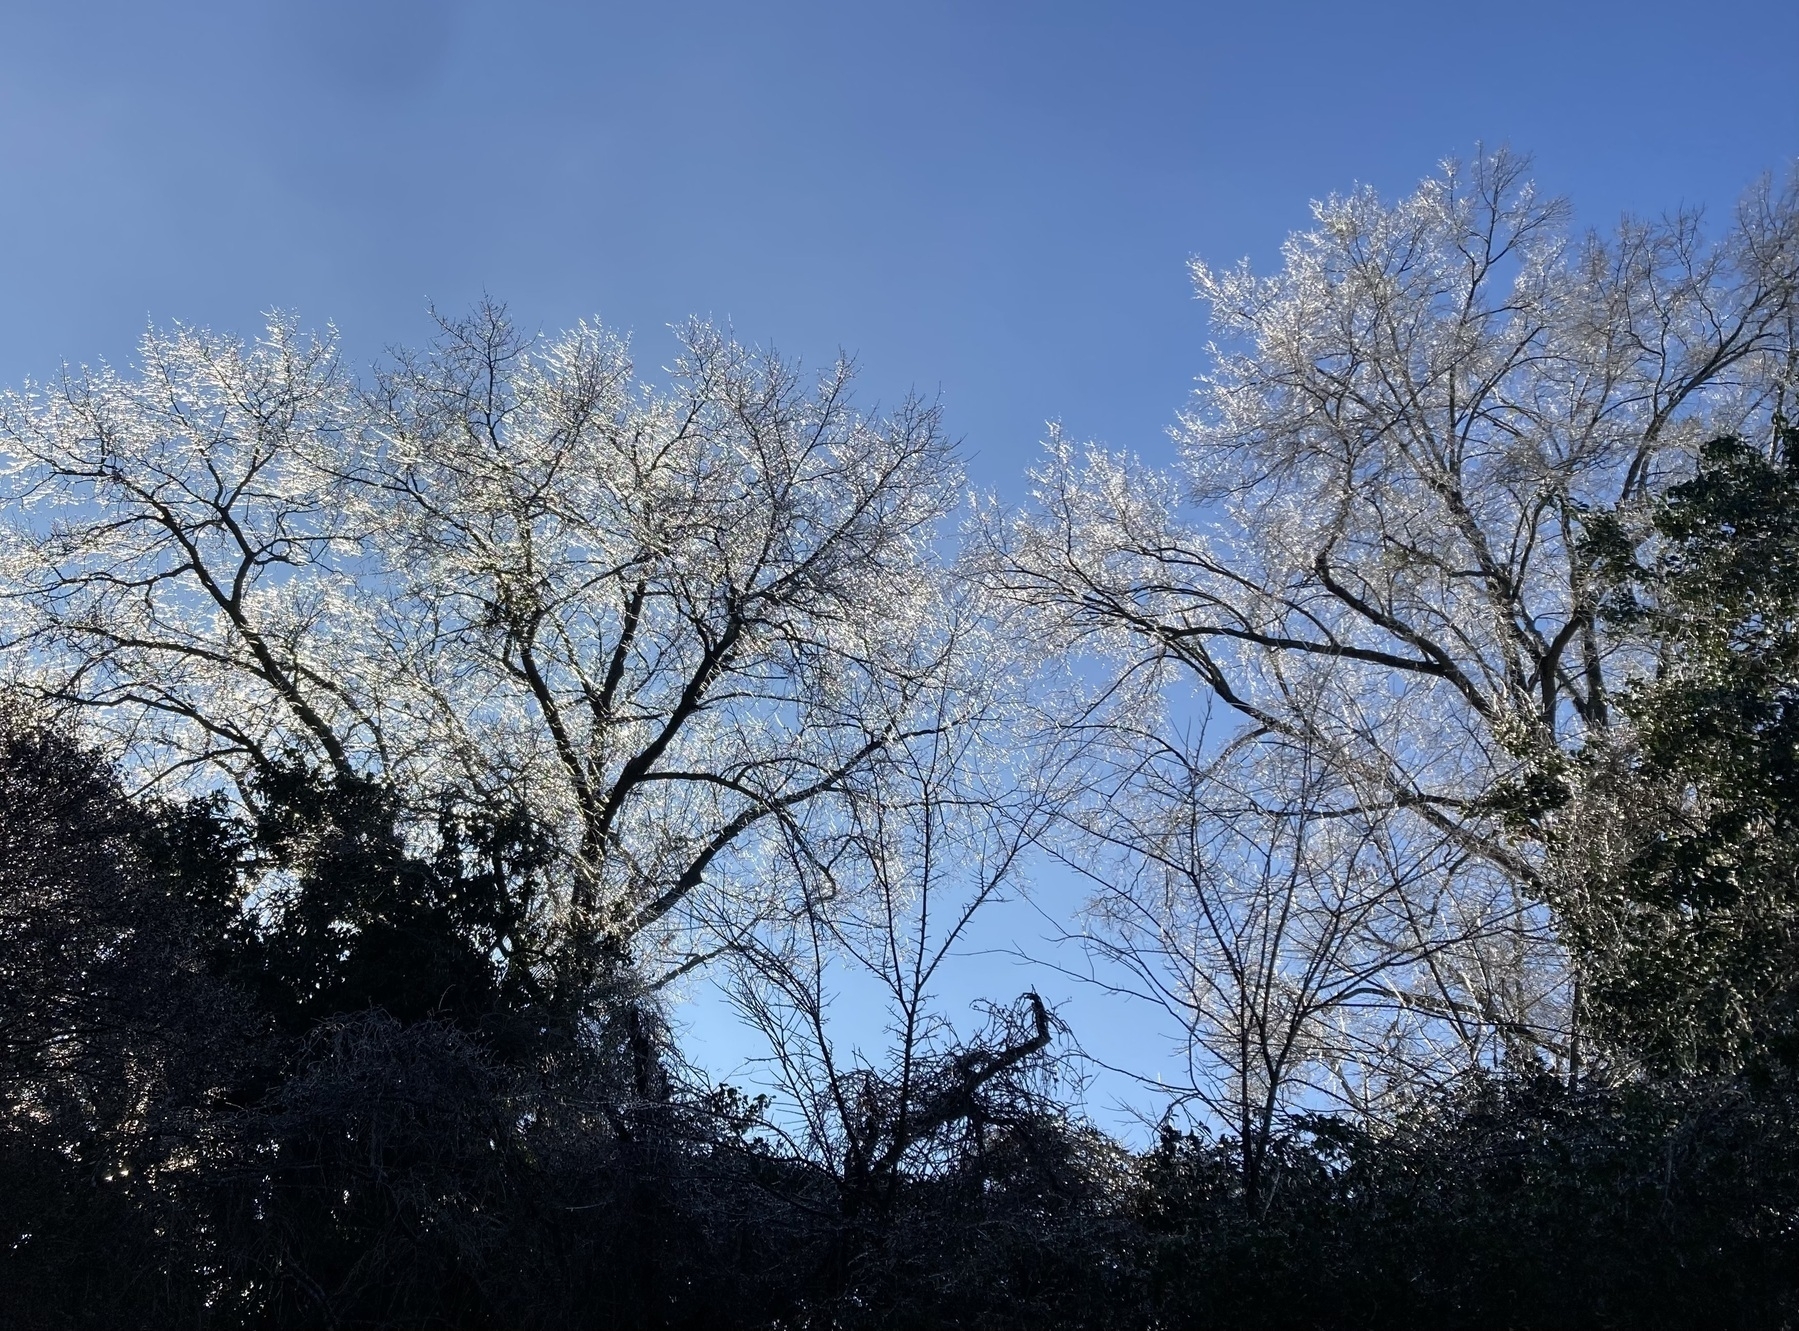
1514	1201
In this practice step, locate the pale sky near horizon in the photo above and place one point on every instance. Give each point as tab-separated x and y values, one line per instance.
993	202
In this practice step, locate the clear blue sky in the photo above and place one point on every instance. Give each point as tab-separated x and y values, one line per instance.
989	200
993	200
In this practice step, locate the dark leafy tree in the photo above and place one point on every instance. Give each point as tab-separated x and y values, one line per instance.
353	919
119	1039
1688	925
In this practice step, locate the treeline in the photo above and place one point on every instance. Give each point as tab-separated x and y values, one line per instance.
217	1118
380	755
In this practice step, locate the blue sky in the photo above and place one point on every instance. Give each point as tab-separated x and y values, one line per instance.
990	201
993	200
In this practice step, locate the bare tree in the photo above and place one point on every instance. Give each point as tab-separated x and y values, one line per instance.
668	615
1372	553
182	566
1295	943
657	618
940	831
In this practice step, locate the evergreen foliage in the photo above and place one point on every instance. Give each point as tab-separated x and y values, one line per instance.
1691	933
